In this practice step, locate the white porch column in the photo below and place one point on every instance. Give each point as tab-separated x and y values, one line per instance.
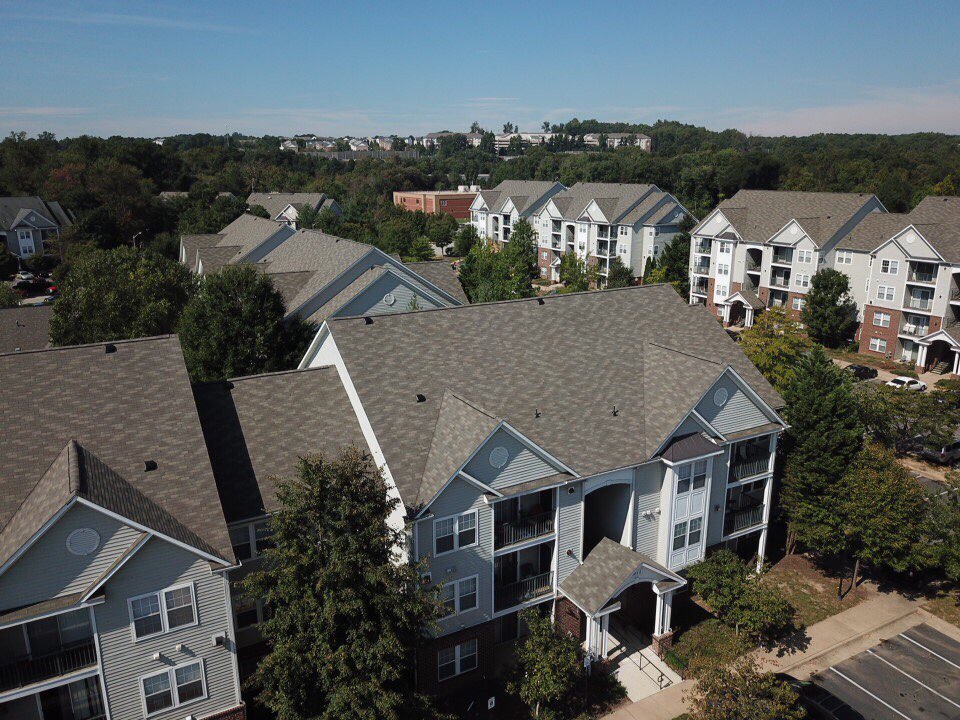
748	320
661	624
922	355
761	549
956	362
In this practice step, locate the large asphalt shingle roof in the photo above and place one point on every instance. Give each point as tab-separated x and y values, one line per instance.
572	357
275	203
25	328
125	403
442	274
937	218
523	193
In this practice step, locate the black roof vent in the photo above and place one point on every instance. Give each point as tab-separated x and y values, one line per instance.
421	397
536	412
368	320
149	465
539	301
109	348
615	411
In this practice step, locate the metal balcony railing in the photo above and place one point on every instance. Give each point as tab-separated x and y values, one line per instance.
701	268
915	330
701	248
922	277
917	303
523	529
517	593
755	464
23	671
738	520
783	258
783	282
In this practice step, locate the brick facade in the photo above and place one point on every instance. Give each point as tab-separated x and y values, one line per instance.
237	713
427	678
868	330
569	618
545	262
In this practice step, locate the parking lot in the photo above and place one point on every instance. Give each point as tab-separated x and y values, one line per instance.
912	676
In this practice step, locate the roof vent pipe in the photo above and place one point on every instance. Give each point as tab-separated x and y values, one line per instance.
149	465
615	411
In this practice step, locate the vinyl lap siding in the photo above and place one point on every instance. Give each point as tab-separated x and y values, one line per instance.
738	413
569	530
522	464
371	300
459	497
64	573
648	498
158	565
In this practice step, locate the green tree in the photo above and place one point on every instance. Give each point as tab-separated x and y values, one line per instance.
308	217
825	436
740	691
485	275
674	261
346	617
259	211
119	294
520	254
775	345
8	298
575	274
420	248
830	314
896	418
884	510
441	229
466	238
548	663
941	545
234	325
398	143
619	275
8	263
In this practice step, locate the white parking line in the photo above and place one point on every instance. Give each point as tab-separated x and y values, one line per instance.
949	662
879	700
914	679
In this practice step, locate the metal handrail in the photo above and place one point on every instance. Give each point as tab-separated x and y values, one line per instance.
742	519
780	282
525	528
924	277
24	671
515	593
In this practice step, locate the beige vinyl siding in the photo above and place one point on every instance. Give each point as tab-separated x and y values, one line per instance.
522	464
157	566
62	572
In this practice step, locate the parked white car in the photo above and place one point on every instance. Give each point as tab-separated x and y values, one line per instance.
24	275
907	383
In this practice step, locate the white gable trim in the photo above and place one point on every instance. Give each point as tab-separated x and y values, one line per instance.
111	571
938	335
896	240
394	265
508	207
483	486
752	394
53	613
153	532
800	236
479	203
698	230
700	419
358	262
402	280
533	447
38	534
592	210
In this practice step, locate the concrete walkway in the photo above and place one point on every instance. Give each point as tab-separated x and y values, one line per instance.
635	664
884	375
828	642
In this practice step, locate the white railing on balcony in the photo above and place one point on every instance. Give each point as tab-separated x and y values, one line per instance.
921	276
915	330
783	258
918	303
780	281
701	268
755	464
740	520
517	593
523	529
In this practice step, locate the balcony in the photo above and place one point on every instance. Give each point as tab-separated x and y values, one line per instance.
742	519
698	288
755	463
518	593
915	330
782	257
917	303
701	247
79	700
23	671
780	281
922	276
701	268
606	249
752	267
523	529
555	244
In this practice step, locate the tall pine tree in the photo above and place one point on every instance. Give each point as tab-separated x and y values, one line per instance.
345	614
825	436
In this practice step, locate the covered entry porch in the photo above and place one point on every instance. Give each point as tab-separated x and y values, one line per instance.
939	352
741	309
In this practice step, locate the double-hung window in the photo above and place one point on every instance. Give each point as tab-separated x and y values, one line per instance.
687	533
881	319
250	540
457	659
454	533
878	345
805	256
889	267
458	596
803	280
723	269
798	303
885	292
173	687
691	475
844	257
162	611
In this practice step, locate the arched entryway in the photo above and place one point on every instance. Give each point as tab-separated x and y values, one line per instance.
939	357
736	314
606	514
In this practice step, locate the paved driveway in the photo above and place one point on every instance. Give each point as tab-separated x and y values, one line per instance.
912	676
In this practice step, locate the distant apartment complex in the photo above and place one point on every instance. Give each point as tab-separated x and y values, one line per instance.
614	140
597	221
26	223
501	141
760	249
285	207
452	202
433	139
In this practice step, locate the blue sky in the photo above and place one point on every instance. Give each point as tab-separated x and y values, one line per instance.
158	68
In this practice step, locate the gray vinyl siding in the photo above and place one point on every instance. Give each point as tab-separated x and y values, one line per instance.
738	413
159	565
718	497
371	300
648	482
522	465
569	530
461	496
62	572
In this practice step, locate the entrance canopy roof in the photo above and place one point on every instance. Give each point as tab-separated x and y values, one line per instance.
747	298
611	568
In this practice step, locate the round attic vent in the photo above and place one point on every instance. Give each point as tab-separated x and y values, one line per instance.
909	237
389	298
720	397
499	457
793	229
83	541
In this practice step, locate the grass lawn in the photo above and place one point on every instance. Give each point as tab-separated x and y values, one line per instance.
897	368
812	591
946	606
707	642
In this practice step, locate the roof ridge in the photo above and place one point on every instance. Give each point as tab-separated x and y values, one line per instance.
472	404
683	352
268	374
84	346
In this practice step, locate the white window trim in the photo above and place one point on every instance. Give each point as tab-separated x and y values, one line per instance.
458	658
878	342
172	677
882	317
844	257
457	594
882	294
251	536
456	532
890	264
163	611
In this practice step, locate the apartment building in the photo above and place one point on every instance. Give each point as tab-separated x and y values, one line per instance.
433	139
904	271
603	221
493	212
614	140
284	208
760	248
320	275
452	202
501	141
590	507
27	223
114	554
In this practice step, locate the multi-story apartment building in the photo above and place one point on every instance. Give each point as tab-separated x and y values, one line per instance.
114	553
452	202
587	493
760	248
493	212
501	141
603	221
904	271
614	140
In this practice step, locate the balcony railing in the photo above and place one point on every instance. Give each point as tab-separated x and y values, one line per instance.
754	464
701	268
739	520
781	281
605	250
517	593
523	529
917	303
699	288
753	267
783	258
701	248
915	330
556	245
921	276
20	672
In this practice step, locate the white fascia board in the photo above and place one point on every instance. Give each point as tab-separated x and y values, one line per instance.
127	554
394	266
533	447
896	239
752	394
314	346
